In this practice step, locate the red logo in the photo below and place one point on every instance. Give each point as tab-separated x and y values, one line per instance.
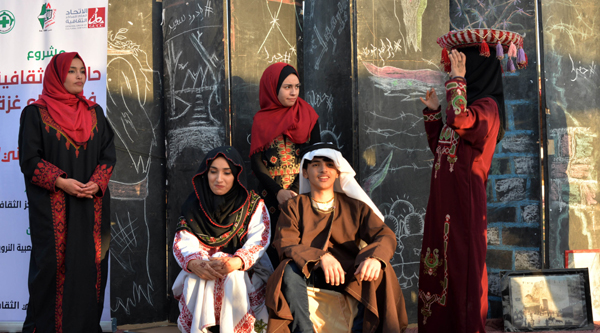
97	17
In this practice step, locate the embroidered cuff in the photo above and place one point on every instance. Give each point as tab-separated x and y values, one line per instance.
101	176
456	95
45	175
435	116
246	257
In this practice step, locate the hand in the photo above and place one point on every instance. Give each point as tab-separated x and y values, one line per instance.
226	265
90	189
457	61
431	101
72	187
285	195
334	274
368	270
204	270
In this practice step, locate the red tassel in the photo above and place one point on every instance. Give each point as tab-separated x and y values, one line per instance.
484	49
446	61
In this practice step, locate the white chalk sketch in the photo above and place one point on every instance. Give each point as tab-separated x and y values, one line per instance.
192	99
408	224
130	102
285	57
326	39
386	51
412	15
407	84
330	135
591	260
315	100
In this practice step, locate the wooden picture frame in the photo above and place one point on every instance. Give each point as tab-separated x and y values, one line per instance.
546	300
591	260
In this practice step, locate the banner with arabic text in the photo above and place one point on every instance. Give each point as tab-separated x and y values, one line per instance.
31	32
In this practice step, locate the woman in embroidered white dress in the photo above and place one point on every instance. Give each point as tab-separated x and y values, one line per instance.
221	237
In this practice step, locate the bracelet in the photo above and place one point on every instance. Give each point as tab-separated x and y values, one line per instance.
459	77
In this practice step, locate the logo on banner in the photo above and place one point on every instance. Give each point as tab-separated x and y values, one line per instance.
96	17
7	21
47	16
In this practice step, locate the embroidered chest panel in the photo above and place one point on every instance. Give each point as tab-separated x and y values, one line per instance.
285	162
50	123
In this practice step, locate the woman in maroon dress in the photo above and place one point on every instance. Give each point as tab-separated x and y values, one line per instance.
453	278
285	124
67	156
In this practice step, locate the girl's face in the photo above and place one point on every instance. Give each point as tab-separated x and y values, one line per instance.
289	90
220	176
75	79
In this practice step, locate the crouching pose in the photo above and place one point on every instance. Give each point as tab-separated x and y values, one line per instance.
220	241
318	239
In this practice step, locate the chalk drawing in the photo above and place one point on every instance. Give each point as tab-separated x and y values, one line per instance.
378	175
578	31
276	26
193	98
334	28
408	84
129	82
386	51
505	15
582	71
330	135
315	100
412	14
408	224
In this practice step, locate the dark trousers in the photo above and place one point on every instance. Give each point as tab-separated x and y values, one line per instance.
293	288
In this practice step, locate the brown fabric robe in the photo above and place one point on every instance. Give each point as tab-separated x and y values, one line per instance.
301	236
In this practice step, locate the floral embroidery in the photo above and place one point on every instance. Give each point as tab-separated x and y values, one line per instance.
288	161
50	123
45	175
427	298
264	193
101	176
272	209
246	324
98	243
59	221
447	145
185	317
432	117
219	294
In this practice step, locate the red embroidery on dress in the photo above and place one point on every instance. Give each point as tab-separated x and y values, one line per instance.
185	316
45	175
50	123
219	294
59	222
246	324
101	176
98	243
257	298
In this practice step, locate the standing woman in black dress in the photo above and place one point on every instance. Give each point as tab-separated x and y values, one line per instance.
284	124
67	156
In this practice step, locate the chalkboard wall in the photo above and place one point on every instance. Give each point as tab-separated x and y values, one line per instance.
138	283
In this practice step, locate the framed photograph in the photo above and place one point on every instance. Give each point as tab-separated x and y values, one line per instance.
546	300
591	260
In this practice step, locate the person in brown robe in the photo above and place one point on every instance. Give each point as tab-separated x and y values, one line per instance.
318	238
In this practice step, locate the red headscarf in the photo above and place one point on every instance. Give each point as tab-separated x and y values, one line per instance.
274	119
70	112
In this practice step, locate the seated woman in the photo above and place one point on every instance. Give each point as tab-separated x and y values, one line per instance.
220	240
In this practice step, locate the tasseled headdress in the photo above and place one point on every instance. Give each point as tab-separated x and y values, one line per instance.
506	43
